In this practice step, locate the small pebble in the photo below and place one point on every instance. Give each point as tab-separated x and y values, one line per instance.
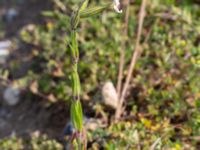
11	96
10	15
4	50
109	94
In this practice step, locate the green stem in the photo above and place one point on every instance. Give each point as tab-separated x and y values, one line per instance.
76	108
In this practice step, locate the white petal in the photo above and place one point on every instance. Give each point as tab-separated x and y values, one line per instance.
116	2
117	9
117	6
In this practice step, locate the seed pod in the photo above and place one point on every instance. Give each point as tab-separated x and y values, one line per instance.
75	20
76	17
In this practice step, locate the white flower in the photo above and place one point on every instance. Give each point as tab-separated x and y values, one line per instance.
117	6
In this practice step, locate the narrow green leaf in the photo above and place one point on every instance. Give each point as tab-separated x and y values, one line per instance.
74	45
73	117
75	84
94	10
83	5
76	115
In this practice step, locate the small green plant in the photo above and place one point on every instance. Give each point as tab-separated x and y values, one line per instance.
76	108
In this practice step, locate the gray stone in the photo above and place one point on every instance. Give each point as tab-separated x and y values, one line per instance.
11	96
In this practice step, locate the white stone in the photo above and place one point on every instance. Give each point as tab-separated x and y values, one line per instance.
109	94
11	96
4	50
5	44
11	14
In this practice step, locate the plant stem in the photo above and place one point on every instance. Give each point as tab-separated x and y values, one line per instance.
135	56
122	50
76	108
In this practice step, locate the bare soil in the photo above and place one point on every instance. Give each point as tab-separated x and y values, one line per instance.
31	114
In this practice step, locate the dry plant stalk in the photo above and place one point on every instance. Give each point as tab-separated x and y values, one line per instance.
135	56
122	50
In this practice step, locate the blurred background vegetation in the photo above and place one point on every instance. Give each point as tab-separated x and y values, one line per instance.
163	103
